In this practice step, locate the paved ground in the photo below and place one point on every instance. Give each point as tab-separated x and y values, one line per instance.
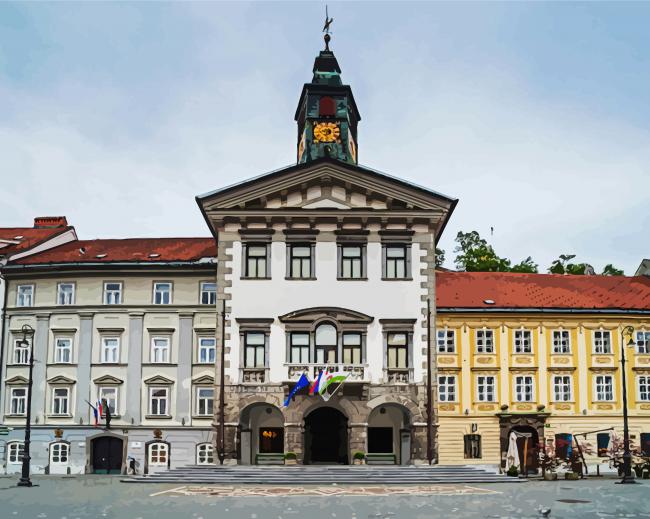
102	497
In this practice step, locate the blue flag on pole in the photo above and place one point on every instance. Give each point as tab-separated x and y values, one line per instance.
303	381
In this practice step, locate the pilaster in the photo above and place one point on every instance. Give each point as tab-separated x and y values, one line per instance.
41	336
134	370
184	380
82	409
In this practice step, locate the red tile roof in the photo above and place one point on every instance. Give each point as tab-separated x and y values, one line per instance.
27	237
541	291
147	250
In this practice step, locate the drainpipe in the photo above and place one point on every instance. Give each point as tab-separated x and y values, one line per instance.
222	372
429	388
3	280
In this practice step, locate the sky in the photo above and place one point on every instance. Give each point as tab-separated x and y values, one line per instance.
536	116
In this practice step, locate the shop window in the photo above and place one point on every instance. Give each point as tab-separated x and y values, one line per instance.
645	444
563	445
271	440
472	446
602	441
205	454
158	454
380	439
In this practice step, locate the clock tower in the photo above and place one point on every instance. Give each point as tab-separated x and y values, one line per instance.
327	115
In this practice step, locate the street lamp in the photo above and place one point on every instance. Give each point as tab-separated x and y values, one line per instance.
627	455
28	333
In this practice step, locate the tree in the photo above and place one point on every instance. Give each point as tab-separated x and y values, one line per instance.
440	257
563	265
527	266
474	254
611	270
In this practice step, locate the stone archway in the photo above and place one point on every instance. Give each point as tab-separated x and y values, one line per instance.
389	433
261	432
532	423
326	436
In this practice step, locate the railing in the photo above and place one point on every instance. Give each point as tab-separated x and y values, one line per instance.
358	372
253	375
398	375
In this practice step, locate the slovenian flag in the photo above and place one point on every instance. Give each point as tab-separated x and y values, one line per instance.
315	386
96	415
100	409
303	381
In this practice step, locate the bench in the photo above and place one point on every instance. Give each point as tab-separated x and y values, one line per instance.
269	459
375	458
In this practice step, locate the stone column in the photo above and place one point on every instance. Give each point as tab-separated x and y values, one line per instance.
358	440
41	337
294	440
419	444
184	369
84	359
134	370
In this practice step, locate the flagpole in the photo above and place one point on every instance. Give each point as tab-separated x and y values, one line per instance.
429	388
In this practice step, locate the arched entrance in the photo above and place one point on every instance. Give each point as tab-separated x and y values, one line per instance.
326	436
107	455
527	446
261	434
389	434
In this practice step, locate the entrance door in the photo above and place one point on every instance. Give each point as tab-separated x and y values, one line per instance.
326	436
527	450
107	455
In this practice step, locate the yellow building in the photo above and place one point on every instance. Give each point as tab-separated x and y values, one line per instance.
539	354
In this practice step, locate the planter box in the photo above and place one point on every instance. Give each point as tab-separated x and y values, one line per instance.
290	462
550	476
572	476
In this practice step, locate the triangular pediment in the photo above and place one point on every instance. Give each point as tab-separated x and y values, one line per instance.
18	379
203	379
158	379
108	379
60	379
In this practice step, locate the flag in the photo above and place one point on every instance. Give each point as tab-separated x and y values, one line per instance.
313	389
338	377
100	410
95	413
303	381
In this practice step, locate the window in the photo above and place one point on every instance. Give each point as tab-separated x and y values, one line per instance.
602	441
352	348
208	293
271	440
326	344
643	342
300	261
162	293
484	341
397	344
60	398
351	262
158	454
18	400
524	388
645	444
160	350
472	446
447	388
562	388
446	341
15	451
207	350
112	293
25	295
204	454
255	265
21	352
65	294
396	262
523	342
254	344
643	382
604	388
110	353
602	342
561	342
299	348
63	350
110	395
563	445
158	405
205	401
485	388
59	453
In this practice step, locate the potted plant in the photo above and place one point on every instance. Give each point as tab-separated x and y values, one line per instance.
359	458
290	458
513	471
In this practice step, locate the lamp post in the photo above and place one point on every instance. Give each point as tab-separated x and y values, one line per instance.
627	455
28	332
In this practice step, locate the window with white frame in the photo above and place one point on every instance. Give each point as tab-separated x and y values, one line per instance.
208	293
447	388
18	400
162	293
254	345
159	401
524	388
62	350
396	262
485	388
160	350
484	341
446	340
562	388
604	388
110	350
256	264
108	394
158	454
204	401
602	341
351	261
60	400
643	342
299	348
352	348
523	341
204	454
15	451
59	453
561	341
300	260
65	294
326	343
643	383
21	352
397	350
112	293
207	350
25	295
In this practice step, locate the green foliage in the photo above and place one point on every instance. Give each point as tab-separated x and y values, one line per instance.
440	257
563	265
527	265
474	254
358	455
290	455
513	471
611	270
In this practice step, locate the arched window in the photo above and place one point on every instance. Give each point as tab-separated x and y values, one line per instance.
204	454
326	344
158	454
59	453
15	452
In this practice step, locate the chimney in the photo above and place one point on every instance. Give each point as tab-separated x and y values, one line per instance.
45	222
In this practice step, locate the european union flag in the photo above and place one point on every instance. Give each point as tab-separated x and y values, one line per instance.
303	381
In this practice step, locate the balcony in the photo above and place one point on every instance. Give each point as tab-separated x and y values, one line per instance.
253	375
358	372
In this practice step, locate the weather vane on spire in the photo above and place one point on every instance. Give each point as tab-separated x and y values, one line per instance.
326	29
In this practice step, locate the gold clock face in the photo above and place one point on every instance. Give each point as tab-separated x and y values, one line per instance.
326	132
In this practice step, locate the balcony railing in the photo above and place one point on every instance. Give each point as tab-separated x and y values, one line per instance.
253	375
358	372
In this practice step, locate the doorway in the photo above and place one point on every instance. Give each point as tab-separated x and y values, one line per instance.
326	436
107	455
527	450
